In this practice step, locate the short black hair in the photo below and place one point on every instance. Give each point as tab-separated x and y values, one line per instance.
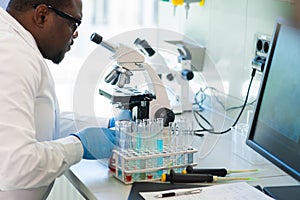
24	5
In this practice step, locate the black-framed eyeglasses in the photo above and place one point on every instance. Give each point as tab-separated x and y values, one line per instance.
76	22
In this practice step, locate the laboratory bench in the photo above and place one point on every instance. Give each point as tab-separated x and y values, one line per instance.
93	179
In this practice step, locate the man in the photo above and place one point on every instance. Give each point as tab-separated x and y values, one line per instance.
31	160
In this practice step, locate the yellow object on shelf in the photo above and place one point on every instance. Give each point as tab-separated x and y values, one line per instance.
177	2
201	3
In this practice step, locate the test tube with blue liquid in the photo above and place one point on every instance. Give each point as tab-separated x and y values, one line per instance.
160	143
139	134
160	137
144	143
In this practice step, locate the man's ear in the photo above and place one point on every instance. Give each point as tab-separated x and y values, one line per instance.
40	15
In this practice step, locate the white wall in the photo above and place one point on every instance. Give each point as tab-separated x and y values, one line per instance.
227	29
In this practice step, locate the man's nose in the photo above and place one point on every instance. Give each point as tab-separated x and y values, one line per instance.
75	34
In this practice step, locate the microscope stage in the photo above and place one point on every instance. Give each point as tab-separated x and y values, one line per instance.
126	95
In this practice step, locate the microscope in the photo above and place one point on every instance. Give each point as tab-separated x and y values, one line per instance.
153	103
190	61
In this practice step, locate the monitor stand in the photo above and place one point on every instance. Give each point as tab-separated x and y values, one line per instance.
283	192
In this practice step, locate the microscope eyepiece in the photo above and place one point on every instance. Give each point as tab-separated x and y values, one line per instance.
98	39
95	37
144	47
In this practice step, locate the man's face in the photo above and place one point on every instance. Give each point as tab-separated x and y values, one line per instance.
60	31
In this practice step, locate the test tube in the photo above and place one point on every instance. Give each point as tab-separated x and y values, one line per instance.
170	136
117	129
151	133
174	147
120	135
130	139
129	129
160	143
146	134
181	142
138	127
190	137
180	135
174	137
119	167
125	136
137	166
139	134
168	143
126	165
160	136
142	165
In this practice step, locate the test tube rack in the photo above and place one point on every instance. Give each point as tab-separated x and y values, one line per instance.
130	166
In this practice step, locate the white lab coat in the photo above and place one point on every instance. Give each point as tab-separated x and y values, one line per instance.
30	158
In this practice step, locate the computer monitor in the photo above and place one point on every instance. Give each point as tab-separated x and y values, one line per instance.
275	128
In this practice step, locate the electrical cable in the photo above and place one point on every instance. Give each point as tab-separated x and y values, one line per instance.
211	130
204	96
237	107
204	119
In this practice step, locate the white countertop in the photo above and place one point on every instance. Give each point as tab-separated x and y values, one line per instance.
94	181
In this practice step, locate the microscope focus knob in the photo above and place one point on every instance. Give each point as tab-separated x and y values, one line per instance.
170	77
165	113
187	74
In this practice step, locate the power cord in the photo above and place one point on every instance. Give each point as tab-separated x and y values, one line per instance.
237	107
204	97
211	129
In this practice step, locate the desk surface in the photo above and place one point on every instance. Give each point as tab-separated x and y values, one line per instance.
93	180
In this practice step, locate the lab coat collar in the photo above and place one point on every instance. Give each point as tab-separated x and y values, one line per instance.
26	35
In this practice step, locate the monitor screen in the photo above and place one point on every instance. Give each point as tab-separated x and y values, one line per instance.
275	129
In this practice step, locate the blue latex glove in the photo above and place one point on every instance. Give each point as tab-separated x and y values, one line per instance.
124	115
97	143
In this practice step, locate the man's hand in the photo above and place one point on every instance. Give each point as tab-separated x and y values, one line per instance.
125	115
97	143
